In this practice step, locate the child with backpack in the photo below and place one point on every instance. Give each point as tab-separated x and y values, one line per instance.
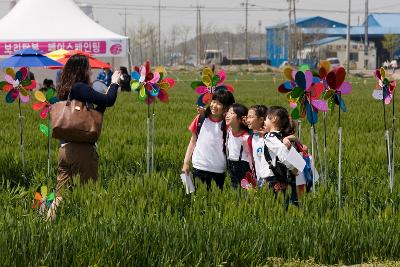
276	169
206	148
239	156
255	121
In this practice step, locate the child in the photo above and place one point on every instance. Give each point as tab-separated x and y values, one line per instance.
255	121
275	167
207	145
239	156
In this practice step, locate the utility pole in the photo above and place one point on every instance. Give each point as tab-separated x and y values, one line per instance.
159	32
366	36
348	38
289	46
261	37
198	33
246	45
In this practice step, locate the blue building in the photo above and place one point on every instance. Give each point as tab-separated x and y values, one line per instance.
316	28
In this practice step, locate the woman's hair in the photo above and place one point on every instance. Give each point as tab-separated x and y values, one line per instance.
240	111
260	110
75	70
225	97
292	126
48	83
282	118
123	70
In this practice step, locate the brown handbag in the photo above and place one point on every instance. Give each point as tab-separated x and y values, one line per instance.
75	121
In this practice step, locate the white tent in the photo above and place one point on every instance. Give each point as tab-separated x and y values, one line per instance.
48	25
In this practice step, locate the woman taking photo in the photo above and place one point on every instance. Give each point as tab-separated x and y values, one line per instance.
80	158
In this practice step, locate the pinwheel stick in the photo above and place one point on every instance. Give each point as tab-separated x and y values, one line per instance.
21	140
387	145
393	146
325	149
340	164
340	157
152	140
312	131
48	147
299	130
148	141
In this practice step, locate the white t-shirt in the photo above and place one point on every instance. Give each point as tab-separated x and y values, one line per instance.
258	153
208	155
235	143
276	149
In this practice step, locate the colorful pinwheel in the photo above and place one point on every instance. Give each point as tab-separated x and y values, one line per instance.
384	88
44	101
302	89
150	84
337	88
17	85
41	199
210	83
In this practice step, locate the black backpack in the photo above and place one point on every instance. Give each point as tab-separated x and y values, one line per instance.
280	170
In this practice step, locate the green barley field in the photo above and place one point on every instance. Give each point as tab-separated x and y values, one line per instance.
130	219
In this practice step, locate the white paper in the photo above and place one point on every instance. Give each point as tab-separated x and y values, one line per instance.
188	183
295	159
314	170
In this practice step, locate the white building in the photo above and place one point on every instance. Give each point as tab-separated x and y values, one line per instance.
336	47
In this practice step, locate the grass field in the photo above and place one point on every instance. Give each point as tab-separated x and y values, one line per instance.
129	219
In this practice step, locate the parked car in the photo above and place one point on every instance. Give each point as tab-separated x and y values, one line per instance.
334	62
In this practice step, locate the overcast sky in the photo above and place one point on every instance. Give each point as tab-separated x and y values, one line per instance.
223	14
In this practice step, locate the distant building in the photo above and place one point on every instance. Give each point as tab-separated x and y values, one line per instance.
314	29
336	47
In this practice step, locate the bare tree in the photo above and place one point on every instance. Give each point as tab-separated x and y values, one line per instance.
185	30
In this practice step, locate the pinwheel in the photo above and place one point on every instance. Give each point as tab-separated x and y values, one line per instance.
209	84
43	105
150	86
41	199
324	68
303	92
384	90
337	86
18	85
248	182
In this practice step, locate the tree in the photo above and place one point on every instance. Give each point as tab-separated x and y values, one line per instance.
391	42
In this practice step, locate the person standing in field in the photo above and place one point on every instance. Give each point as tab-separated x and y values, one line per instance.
206	148
80	158
239	157
105	76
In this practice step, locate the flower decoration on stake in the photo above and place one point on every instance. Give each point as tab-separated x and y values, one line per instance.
41	200
151	85
210	83
18	85
384	90
43	105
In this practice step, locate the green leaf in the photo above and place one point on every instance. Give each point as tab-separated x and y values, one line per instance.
44	129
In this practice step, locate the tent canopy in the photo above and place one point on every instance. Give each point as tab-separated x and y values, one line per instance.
48	25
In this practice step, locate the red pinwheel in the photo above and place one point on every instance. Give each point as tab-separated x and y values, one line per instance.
150	84
17	85
337	87
209	84
384	88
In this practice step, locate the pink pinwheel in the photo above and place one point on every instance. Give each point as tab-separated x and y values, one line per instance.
44	102
17	85
150	84
384	88
209	84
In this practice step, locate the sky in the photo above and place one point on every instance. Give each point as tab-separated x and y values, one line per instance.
222	14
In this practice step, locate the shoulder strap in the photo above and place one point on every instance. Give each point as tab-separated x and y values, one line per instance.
200	122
